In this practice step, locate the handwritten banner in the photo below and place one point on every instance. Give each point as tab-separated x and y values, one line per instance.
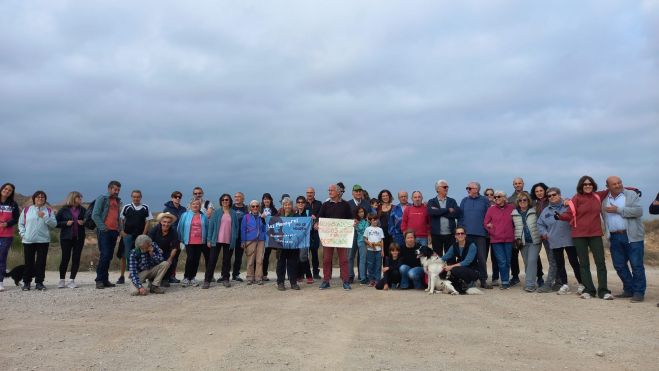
336	232
288	232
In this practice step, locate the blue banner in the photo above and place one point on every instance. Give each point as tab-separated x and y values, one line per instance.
288	232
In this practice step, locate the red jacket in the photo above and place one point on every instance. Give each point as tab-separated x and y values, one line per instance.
588	222
502	229
416	218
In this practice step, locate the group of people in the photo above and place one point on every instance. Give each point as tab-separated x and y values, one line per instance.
386	237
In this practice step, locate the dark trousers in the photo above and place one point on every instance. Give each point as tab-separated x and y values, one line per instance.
106	242
313	249
481	254
303	268
171	272
237	260
211	261
387	242
287	262
71	249
192	262
582	244
266	260
514	265
561	273
391	277
35	262
493	261
442	242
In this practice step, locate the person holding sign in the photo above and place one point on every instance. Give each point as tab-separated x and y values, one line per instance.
336	208
288	258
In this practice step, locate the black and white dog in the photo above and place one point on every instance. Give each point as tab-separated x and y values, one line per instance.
16	274
433	265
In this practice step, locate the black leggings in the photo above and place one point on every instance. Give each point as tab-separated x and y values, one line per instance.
35	268
70	248
214	256
192	263
561	273
287	261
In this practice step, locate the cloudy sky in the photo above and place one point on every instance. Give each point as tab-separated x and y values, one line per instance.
265	96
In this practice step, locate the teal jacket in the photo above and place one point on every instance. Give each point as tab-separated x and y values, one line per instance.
214	227
183	227
100	212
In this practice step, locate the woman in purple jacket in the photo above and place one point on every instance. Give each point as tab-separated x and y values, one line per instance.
499	224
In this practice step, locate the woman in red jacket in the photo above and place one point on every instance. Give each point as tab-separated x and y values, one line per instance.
584	214
499	224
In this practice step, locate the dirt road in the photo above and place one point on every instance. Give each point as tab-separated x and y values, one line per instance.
258	327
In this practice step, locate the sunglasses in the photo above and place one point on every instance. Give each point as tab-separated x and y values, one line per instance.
552	195
469	188
300	202
445	187
179	197
489	194
225	199
498	196
459	233
254	206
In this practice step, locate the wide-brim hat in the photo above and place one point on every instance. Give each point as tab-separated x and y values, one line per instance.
166	215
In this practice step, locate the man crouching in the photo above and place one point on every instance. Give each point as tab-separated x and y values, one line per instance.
146	262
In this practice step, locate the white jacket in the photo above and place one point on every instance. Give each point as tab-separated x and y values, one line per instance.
34	229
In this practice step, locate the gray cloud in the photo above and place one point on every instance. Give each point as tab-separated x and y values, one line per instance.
270	97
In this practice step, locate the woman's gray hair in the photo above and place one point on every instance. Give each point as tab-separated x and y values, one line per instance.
286	200
254	202
554	189
500	193
142	239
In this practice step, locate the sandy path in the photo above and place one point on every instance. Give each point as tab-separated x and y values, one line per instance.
258	327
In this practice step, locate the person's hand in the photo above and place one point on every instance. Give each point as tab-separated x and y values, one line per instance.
122	234
385	269
142	291
557	216
81	222
3	224
654	203
150	249
209	245
451	210
382	253
449	267
313	217
489	225
209	212
566	202
386	287
612	209
41	214
69	223
354	223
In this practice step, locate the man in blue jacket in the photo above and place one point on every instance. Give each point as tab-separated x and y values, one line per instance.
106	217
443	212
473	208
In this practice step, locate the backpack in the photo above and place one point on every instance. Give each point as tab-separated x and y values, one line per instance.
89	222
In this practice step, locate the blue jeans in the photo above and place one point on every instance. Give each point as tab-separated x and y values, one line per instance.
530	255
106	242
129	244
421	241
373	265
407	274
361	265
622	252
399	239
5	245
503	251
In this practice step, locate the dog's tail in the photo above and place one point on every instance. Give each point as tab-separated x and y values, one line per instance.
474	291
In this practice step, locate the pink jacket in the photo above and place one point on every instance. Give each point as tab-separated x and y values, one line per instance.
502	229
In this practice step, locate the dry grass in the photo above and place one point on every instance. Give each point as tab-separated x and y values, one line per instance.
652	242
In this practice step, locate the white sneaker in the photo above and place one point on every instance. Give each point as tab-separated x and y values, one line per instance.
72	284
185	282
580	289
608	297
194	282
2	287
585	295
61	284
564	290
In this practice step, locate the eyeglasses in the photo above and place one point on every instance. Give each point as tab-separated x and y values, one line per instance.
225	199
299	202
254	206
469	188
498	196
523	200
445	187
459	233
552	195
489	194
198	193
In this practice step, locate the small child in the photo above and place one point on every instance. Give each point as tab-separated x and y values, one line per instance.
391	270
373	237
360	226
375	204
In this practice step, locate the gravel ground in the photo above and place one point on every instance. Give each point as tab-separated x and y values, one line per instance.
257	327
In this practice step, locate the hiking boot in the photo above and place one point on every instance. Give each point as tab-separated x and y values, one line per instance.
100	285
514	281
504	286
156	290
206	285
40	287
544	289
540	282
108	284
637	298
173	280
121	280
529	289
346	286
281	287
317	276
237	279
26	287
324	285
226	283
295	287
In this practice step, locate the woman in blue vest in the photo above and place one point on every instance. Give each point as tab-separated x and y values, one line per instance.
461	262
